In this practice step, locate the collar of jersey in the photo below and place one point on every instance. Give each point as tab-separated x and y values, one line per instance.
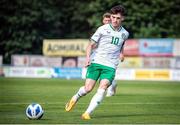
114	29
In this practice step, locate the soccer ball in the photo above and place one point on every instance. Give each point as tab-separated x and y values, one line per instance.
34	111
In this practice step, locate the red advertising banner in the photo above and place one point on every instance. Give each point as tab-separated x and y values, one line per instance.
131	47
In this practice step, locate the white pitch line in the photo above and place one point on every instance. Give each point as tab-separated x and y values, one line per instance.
53	103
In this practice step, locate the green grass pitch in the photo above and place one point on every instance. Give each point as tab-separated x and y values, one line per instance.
136	102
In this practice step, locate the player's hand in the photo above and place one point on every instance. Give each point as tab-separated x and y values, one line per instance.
87	63
121	56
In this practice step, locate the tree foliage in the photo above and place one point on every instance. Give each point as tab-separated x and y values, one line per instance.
24	24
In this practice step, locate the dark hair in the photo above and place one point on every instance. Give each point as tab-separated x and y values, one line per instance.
118	9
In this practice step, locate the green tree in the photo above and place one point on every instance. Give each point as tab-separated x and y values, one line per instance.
24	24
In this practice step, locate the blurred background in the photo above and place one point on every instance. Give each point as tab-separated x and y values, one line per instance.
47	38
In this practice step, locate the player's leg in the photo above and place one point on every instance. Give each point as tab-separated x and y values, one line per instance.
92	76
107	75
89	85
97	99
111	89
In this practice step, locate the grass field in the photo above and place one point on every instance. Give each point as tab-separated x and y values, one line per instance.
142	102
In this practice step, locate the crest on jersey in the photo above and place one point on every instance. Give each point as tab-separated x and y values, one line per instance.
108	31
123	35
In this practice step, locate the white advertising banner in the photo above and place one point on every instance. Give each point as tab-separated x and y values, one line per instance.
176	48
30	72
125	74
84	70
121	74
176	63
175	75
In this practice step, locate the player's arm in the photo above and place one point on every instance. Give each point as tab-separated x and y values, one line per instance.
89	49
92	45
121	55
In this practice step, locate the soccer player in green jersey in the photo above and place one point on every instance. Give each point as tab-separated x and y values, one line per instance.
109	40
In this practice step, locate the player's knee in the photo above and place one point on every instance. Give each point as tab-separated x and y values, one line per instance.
104	84
88	89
